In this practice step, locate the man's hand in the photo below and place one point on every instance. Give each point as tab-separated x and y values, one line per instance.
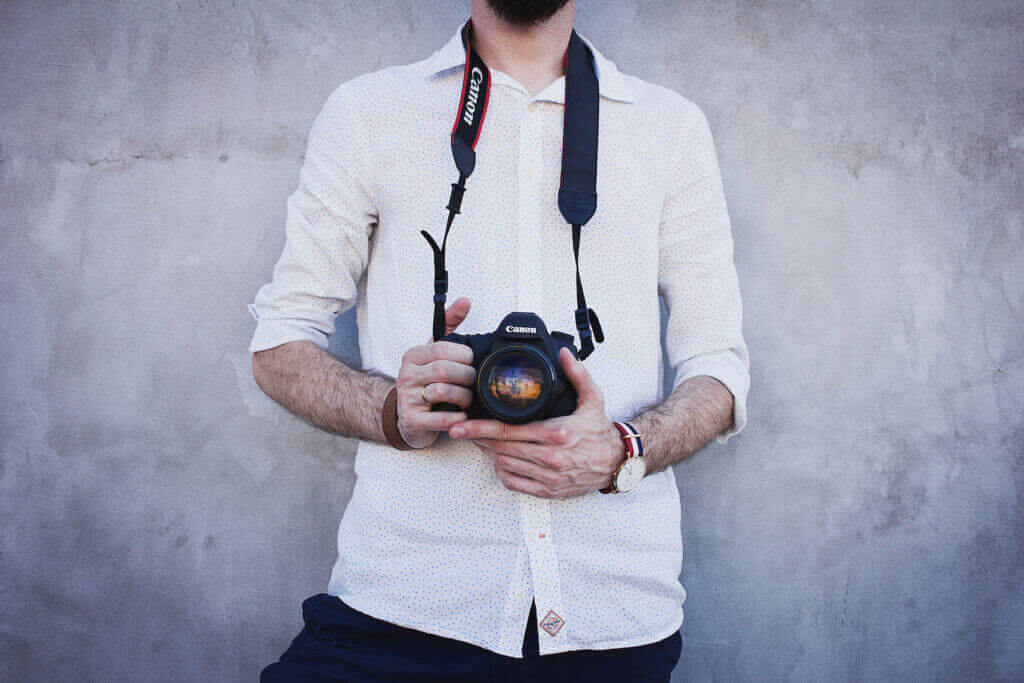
436	372
556	458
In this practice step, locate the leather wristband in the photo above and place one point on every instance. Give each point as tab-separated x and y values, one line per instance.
389	421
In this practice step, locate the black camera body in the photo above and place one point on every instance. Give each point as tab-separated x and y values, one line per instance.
518	375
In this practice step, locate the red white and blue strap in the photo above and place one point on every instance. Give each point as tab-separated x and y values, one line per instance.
631	437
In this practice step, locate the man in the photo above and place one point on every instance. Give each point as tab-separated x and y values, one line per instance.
471	548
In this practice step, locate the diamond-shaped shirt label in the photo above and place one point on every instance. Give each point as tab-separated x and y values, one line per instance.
552	623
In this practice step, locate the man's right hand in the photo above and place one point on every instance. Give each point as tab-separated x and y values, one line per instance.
436	372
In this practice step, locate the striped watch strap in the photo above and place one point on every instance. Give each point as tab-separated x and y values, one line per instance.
634	446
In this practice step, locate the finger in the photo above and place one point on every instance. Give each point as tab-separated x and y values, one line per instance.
455	314
515	482
541	455
586	388
538	432
448	393
445	372
442	350
518	449
434	421
522	467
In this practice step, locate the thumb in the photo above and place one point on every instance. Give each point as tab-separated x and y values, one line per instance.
586	388
455	314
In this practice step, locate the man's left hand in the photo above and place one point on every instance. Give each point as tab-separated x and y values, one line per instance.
555	458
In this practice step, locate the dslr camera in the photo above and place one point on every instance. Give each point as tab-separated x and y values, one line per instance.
518	375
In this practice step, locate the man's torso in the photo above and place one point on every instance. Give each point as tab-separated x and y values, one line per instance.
430	539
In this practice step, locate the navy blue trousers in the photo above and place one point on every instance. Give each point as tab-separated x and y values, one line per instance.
339	643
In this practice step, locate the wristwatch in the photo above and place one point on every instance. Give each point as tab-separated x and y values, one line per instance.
634	467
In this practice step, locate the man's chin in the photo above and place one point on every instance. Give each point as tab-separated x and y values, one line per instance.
526	13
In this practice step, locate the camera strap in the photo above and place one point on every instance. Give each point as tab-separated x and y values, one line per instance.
577	193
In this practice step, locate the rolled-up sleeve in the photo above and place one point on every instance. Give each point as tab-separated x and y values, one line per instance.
329	223
697	276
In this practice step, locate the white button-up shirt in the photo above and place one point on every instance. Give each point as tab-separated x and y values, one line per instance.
431	540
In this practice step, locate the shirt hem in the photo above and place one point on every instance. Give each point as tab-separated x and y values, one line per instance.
632	642
405	620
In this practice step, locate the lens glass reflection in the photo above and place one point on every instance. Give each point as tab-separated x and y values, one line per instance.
515	381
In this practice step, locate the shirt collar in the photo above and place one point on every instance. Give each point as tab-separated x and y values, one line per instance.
611	82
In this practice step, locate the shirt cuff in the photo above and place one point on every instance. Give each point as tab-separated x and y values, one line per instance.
730	370
274	331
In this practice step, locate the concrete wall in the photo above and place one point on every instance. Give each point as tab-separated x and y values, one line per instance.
162	520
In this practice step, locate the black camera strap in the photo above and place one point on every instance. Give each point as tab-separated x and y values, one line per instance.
577	194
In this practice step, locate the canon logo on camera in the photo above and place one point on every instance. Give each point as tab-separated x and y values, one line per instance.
516	329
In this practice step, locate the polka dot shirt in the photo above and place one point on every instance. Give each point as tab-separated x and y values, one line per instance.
431	540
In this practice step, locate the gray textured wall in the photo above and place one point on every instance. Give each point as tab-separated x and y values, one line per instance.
163	520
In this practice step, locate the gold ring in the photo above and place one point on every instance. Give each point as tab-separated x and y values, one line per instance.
423	395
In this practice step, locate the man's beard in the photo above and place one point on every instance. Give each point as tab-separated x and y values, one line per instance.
526	12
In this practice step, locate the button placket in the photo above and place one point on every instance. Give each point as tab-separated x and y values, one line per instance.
535	512
530	273
522	201
517	603
547	585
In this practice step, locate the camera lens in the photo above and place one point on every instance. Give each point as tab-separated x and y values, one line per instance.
515	381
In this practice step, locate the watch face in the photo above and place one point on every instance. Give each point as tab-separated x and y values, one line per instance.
633	470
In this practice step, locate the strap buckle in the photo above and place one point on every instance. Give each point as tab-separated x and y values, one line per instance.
441	284
589	328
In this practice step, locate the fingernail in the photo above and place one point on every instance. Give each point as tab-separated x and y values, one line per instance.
458	432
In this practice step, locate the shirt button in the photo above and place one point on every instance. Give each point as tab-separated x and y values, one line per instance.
519	593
